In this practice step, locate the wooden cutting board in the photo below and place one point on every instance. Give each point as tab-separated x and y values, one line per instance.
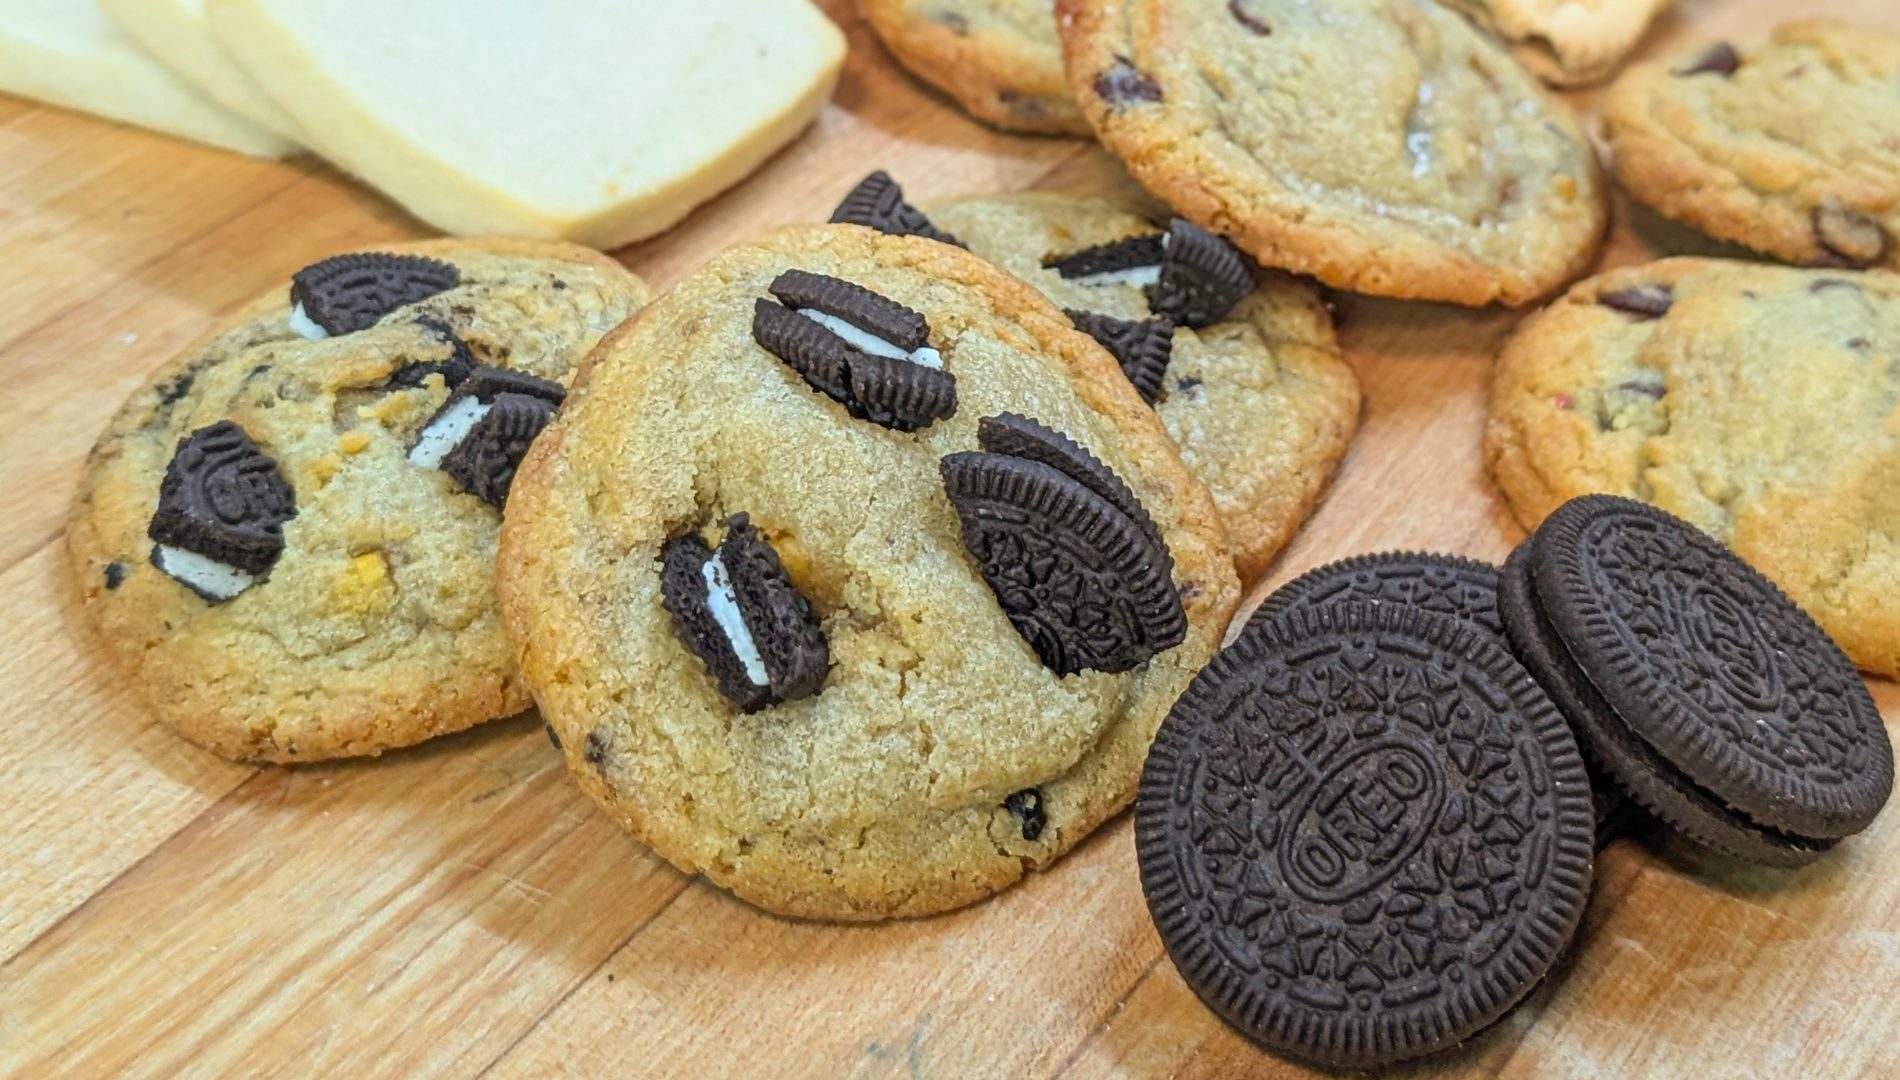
460	910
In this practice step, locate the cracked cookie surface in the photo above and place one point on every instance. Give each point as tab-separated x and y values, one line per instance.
1383	146
999	59
940	760
1760	403
377	625
1790	146
1260	403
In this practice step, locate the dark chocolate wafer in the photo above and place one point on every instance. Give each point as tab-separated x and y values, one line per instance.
904	394
1445	584
1018	436
1713	667
878	203
1202	277
224	499
1128	253
353	292
1142	348
1364	833
485	460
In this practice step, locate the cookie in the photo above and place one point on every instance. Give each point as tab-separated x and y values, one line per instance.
286	537
1447	585
999	59
1622	758
1754	401
1385	148
1713	667
944	754
1364	834
1259	401
1790	146
1566	42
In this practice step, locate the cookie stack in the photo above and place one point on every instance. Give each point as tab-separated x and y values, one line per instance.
1365	831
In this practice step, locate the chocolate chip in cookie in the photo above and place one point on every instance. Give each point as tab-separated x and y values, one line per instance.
738	611
1125	84
348	293
864	351
1854	240
1142	347
221	512
1644	302
878	203
1083	582
1238	9
1202	277
482	431
1718	59
1027	807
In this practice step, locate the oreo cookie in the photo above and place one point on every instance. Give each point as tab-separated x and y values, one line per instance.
459	366
1076	564
1621	758
1132	260
483	430
1713	668
1364	834
739	612
1191	277
221	511
1442	584
878	203
1142	348
862	350
348	293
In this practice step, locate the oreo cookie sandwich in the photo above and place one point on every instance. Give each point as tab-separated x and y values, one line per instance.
1708	695
1364	833
1241	368
286	537
857	580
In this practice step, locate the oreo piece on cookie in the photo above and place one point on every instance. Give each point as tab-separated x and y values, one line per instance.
347	293
221	512
1086	583
1142	348
1132	260
460	364
483	430
1443	584
878	203
1191	277
1713	667
738	611
865	351
1623	759
1364	833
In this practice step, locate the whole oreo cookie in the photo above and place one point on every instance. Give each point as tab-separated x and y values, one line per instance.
1143	348
1085	583
353	292
1364	834
739	612
223	500
1630	764
1443	584
878	203
1713	667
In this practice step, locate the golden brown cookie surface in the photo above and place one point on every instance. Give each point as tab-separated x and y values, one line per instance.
376	624
940	759
1566	42
999	59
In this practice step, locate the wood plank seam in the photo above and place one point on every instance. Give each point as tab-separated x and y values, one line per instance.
1108	1017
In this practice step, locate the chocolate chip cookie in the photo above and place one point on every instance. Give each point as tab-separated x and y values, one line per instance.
1384	147
1790	146
1757	402
286	538
1566	42
1258	399
856	579
999	59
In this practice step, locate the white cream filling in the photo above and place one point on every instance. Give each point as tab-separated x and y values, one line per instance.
1139	276
723	603
305	326
208	576
445	431
865	341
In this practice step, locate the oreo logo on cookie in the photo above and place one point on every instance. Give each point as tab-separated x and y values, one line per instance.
221	511
878	203
867	352
347	293
1075	563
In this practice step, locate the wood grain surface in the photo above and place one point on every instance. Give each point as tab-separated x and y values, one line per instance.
461	911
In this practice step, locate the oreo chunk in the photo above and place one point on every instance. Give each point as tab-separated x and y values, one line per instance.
460	364
1624	762
1142	348
1083	583
1128	253
1017	436
1026	806
878	203
1202	277
353	292
864	351
1713	667
1364	834
1463	589
483	430
223	500
1643	302
739	612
